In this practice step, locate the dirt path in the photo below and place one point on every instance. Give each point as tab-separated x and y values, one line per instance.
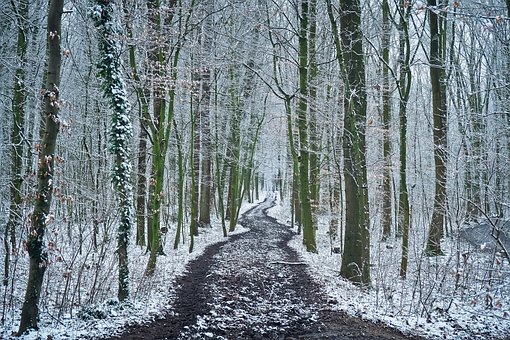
254	287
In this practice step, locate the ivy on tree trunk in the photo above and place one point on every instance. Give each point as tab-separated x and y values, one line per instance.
114	88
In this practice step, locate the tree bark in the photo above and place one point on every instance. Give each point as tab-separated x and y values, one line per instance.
404	87
304	156
16	159
315	136
206	181
439	113
356	255
195	153
180	187
386	120
234	155
110	69
41	216
157	58
163	116
142	93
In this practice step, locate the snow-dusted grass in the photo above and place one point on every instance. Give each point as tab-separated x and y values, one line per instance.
462	295
150	296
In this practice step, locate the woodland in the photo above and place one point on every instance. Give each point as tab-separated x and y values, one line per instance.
135	133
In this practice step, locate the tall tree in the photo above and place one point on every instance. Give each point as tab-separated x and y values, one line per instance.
315	135
304	152
143	94
220	168
41	216
161	124
439	114
205	82
356	250
180	187
194	158
386	119
18	113
404	90
234	150
114	88
203	140
195	152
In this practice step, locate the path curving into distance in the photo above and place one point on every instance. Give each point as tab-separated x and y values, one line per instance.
254	286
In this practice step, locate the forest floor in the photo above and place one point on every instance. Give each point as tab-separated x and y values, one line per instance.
255	286
481	236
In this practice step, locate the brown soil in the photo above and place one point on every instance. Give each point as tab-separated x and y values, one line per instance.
253	287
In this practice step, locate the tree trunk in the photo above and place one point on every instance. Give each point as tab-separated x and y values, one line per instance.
221	167
304	158
386	120
338	141
294	201
163	116
233	159
256	187
41	216
110	69
194	160
195	153
18	111
403	220
475	174
221	201
315	136
356	255
142	94
439	113
157	59
141	187
180	187
206	182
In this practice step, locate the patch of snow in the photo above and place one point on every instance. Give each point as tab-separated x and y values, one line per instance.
150	296
462	295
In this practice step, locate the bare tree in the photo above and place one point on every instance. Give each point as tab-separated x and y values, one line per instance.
17	139
41	216
439	113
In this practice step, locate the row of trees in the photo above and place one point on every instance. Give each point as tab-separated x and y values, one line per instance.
381	115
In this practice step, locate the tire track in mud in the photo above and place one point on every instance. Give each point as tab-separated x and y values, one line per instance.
252	286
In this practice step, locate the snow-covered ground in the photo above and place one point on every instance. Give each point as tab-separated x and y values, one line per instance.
151	297
462	295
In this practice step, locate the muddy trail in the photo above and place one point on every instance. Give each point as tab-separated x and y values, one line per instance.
254	286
